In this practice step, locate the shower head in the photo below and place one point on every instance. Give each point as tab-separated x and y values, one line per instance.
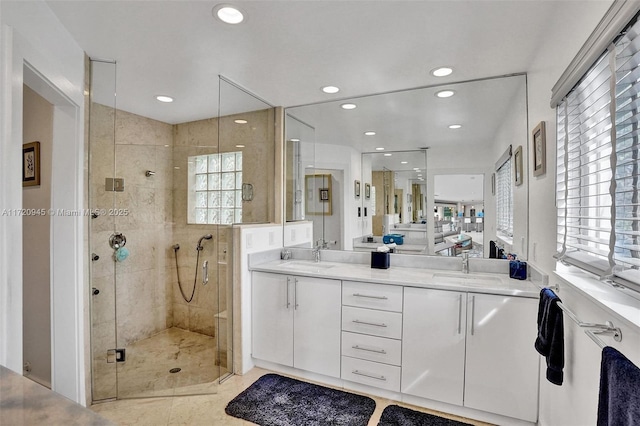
204	237
176	247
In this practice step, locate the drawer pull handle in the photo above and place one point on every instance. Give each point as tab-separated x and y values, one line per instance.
378	351
369	323
370	297
369	375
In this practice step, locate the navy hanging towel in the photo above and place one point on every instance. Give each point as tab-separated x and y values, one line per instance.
619	400
550	340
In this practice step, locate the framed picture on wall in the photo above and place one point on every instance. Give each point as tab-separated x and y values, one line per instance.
31	164
318	193
517	162
357	188
539	150
367	191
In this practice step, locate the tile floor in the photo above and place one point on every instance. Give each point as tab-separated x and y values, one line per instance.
146	372
204	409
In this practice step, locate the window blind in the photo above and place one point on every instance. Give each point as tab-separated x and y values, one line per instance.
598	158
504	199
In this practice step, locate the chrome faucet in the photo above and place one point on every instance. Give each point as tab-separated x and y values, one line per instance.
316	253
465	262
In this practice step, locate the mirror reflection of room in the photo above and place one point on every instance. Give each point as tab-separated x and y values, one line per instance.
458	215
461	135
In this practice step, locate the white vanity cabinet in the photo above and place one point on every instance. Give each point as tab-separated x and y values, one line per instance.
296	321
433	345
371	334
471	349
501	374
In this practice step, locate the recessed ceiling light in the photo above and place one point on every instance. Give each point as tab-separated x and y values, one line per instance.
445	93
228	14
388	155
239	146
404	162
348	106
164	98
240	121
441	72
369	133
294	140
330	89
455	126
380	149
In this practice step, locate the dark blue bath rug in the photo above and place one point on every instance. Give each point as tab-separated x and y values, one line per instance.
394	415
275	400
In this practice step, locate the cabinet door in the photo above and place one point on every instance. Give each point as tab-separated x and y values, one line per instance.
272	317
502	365
433	344
317	332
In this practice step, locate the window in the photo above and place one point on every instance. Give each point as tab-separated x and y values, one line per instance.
598	165
504	196
215	188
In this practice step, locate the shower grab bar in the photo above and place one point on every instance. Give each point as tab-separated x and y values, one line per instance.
594	328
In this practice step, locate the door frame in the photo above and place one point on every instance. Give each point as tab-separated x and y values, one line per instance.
53	79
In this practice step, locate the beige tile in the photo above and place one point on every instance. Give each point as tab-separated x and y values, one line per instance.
136	411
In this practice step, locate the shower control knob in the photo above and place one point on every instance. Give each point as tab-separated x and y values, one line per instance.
95	291
94	257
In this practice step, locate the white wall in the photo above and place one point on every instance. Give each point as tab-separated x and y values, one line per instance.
347	159
575	402
32	38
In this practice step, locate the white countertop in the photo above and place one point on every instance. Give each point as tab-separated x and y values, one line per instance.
490	283
24	402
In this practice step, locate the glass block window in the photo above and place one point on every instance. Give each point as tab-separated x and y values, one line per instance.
215	188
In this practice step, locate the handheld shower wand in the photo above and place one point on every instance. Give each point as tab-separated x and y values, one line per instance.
204	237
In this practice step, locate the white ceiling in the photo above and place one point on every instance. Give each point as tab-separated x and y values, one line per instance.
286	50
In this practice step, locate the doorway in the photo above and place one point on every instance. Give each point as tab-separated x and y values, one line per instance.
36	236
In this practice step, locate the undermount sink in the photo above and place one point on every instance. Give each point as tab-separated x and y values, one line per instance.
307	265
464	278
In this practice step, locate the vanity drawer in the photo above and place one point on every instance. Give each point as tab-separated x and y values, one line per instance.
372	348
374	296
371	373
369	321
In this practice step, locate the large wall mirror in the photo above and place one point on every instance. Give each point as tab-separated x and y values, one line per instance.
398	162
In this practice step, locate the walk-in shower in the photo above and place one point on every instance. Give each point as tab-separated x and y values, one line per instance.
161	186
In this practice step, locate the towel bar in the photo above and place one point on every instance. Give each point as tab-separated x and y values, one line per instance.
605	328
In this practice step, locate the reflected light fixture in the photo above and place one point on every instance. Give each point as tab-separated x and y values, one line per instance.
441	71
240	121
369	133
445	93
294	140
330	89
380	149
388	155
228	14
164	98
239	146
404	162
348	106
455	126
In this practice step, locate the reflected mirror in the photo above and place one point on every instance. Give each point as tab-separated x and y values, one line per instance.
464	134
458	214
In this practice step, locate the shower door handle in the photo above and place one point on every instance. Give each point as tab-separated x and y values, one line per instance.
205	272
